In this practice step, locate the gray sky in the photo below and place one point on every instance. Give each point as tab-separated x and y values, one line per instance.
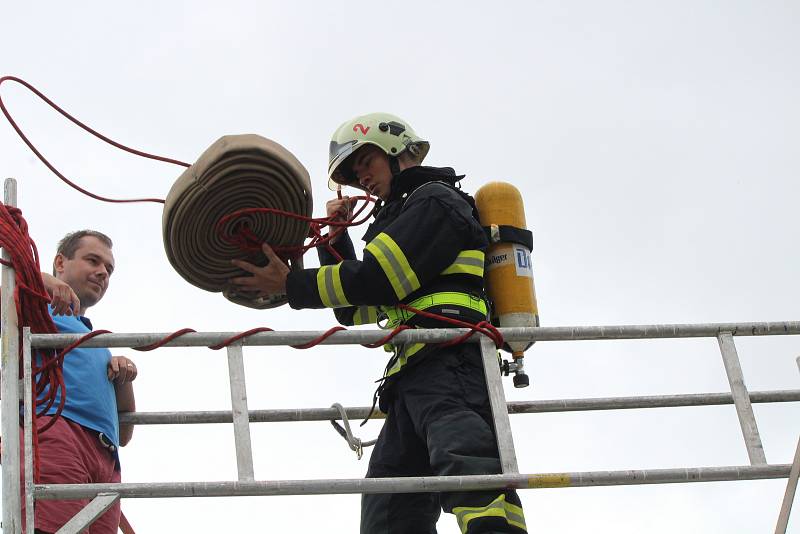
655	144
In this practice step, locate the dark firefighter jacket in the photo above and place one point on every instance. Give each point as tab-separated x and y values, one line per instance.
424	249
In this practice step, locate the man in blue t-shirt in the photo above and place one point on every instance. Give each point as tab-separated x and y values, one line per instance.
81	447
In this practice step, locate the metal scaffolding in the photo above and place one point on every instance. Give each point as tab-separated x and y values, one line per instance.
104	495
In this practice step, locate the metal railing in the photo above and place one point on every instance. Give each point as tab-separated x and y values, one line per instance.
241	417
104	495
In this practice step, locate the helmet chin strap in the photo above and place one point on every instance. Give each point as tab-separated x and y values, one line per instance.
394	166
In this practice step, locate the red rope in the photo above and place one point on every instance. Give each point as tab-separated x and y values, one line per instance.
317	340
166	340
240	235
237	337
87	129
482	328
30	301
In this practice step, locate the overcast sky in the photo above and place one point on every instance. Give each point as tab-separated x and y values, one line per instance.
655	144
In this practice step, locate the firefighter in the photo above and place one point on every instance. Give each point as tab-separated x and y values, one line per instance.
425	249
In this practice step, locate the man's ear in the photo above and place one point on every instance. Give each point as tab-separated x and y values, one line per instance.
58	264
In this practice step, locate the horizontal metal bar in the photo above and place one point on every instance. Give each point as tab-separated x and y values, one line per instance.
414	484
560	405
648	401
438	335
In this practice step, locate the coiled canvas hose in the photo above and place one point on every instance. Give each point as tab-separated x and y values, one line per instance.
236	172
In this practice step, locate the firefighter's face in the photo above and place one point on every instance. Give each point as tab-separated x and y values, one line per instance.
371	168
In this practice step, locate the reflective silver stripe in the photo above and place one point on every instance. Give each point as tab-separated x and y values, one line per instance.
329	285
329	288
517	524
498	508
365	315
394	265
404	352
468	262
514	518
399	275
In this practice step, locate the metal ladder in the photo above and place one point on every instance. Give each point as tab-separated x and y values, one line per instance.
104	495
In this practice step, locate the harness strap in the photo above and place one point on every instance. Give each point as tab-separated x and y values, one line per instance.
509	234
396	316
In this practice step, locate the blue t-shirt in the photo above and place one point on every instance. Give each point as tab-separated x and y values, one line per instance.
91	399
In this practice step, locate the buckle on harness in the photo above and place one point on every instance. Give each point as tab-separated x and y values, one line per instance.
392	317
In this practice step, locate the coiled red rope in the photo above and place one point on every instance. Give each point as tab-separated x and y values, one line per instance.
30	301
247	241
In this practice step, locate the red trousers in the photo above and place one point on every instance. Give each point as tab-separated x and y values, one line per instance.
72	454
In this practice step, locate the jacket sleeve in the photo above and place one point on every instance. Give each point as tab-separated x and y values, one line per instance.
344	247
433	227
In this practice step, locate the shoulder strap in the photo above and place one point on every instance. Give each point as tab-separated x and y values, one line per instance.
509	234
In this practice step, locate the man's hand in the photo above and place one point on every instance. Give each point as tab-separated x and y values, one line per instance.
265	281
338	210
121	370
63	299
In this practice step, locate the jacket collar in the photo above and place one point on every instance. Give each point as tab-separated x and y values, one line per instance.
409	179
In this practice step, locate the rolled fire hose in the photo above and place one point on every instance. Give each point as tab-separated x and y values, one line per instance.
236	172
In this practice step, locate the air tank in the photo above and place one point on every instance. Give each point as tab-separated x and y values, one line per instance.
509	270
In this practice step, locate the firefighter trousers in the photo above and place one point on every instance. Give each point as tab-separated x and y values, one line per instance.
439	423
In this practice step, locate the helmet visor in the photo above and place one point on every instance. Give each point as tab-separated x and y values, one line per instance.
338	153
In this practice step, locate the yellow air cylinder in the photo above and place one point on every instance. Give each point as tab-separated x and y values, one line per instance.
509	271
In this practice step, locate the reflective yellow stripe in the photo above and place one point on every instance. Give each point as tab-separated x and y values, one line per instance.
467	262
394	264
497	508
329	285
396	316
365	315
443	298
515	516
406	351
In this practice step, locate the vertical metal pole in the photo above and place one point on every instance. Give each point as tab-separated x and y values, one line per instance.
241	420
741	398
9	405
791	488
29	403
497	398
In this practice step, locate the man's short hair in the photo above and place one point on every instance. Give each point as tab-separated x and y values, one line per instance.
69	243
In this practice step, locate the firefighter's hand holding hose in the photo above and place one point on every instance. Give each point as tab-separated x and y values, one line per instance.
265	281
271	279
